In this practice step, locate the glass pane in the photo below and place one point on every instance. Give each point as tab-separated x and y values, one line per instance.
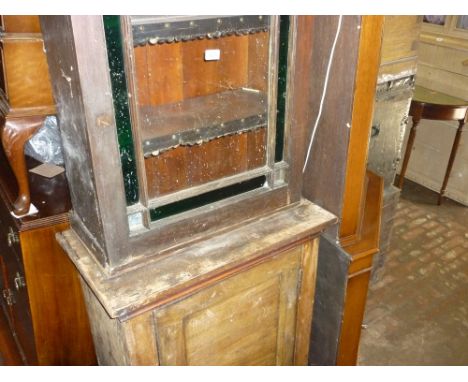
435	19
201	97
121	106
282	81
462	22
206	198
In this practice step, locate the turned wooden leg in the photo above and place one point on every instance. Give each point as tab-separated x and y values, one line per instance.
409	148
453	154
15	133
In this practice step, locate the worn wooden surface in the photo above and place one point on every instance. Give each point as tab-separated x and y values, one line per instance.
340	147
298	114
201	113
247	319
107	333
332	135
101	220
305	304
142	349
332	277
102	223
257	316
197	265
163	70
189	166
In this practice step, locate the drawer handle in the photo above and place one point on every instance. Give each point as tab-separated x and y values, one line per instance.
19	281
12	237
9	297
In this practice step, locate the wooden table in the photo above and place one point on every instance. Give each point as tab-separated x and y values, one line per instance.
430	104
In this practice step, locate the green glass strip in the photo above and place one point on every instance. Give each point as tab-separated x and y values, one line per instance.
206	198
282	80
122	114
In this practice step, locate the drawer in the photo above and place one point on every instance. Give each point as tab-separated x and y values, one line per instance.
442	80
20	312
21	24
444	58
400	37
9	267
26	73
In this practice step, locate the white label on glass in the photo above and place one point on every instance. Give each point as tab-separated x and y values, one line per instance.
212	54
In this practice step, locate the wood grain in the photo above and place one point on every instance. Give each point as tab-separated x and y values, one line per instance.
355	303
21	24
164	73
58	313
187	166
169	73
366	80
305	303
140	340
332	134
9	354
107	332
247	319
161	279
361	252
27	74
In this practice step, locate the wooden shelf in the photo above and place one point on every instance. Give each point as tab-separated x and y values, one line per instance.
201	119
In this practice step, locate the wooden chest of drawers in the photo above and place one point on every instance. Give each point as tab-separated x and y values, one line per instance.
25	94
41	295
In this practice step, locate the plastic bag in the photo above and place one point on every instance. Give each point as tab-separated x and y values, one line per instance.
46	145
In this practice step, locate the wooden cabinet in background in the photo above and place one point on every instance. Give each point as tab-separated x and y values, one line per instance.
41	295
442	67
25	95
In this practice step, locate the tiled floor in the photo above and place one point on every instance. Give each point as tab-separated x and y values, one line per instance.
417	309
